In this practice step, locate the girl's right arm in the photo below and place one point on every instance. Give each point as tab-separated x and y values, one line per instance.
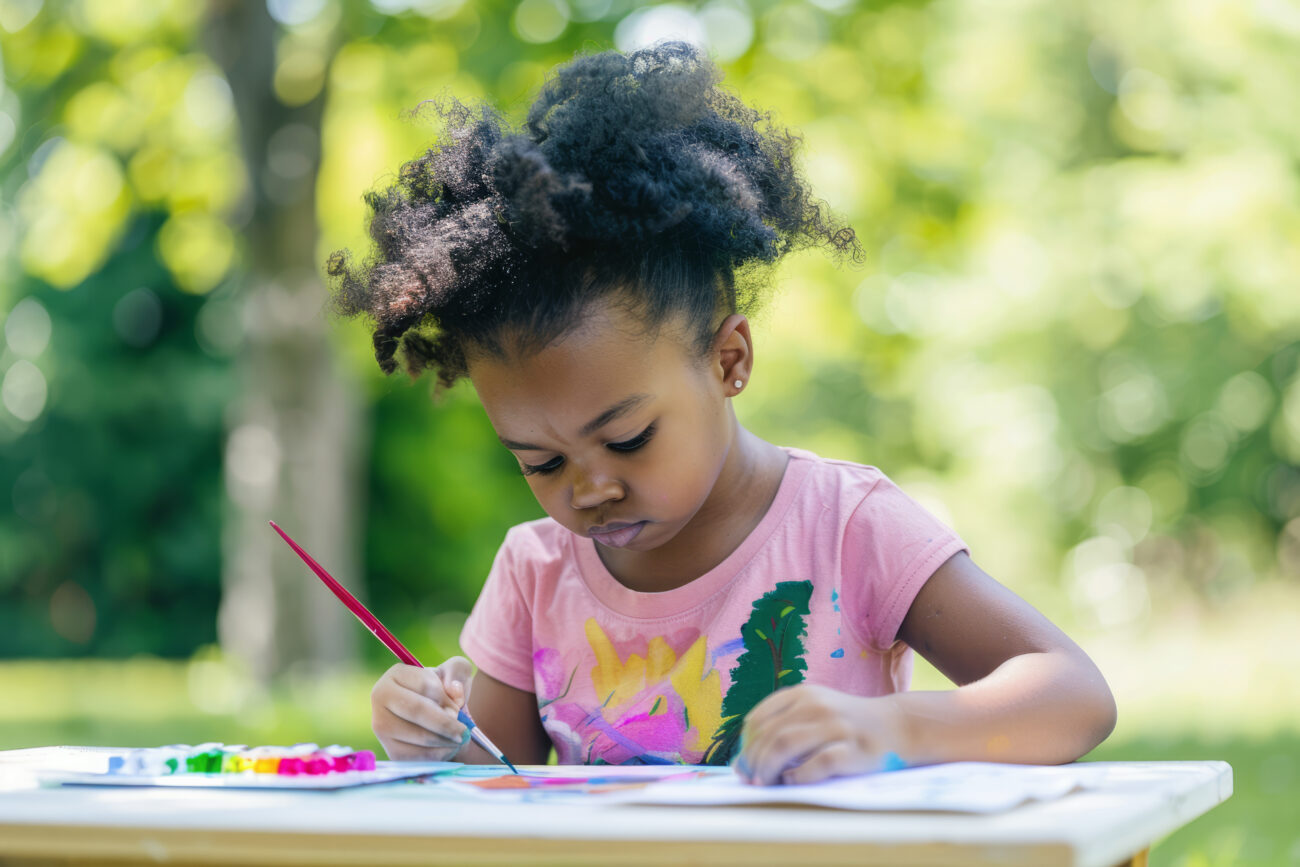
414	715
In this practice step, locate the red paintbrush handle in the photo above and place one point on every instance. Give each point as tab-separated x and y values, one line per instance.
371	622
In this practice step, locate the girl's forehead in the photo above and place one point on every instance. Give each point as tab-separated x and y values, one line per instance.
608	338
603	361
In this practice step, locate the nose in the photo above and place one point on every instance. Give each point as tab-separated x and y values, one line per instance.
592	488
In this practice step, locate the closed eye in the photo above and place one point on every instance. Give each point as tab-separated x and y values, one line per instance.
636	442
549	467
556	462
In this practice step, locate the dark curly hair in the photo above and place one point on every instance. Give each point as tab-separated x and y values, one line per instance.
633	174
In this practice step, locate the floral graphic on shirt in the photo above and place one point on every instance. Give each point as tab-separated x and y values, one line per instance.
665	706
655	707
773	658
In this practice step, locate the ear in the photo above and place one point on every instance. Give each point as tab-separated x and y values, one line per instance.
733	354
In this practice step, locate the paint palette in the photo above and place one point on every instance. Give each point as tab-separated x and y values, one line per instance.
213	758
213	765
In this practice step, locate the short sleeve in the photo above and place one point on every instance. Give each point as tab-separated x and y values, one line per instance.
892	546
498	635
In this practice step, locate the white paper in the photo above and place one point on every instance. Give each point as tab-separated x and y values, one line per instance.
958	787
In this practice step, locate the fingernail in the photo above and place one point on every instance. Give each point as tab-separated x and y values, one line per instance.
460	687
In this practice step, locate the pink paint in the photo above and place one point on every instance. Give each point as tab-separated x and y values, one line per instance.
317	764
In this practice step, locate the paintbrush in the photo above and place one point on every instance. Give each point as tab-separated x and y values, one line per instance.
390	641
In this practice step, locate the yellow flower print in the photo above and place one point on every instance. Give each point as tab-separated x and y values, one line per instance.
661	671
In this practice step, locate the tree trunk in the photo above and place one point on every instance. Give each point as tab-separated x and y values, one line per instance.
293	437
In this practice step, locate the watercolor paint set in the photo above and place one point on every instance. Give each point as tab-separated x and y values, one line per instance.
216	765
215	758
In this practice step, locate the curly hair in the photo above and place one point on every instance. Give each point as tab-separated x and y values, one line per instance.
632	174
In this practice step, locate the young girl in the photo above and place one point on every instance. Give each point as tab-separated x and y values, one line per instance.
696	594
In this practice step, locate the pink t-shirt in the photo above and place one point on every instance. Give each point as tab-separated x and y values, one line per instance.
816	593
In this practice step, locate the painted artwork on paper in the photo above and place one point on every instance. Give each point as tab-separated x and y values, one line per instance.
599	783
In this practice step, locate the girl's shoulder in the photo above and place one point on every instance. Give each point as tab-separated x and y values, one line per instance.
847	481
862	497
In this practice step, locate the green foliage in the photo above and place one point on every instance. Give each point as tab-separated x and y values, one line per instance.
111	546
773	658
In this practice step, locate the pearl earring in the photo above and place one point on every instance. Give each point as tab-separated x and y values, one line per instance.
740	383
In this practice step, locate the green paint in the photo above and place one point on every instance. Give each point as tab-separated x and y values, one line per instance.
766	663
541	703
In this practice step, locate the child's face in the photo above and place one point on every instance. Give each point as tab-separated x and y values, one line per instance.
621	436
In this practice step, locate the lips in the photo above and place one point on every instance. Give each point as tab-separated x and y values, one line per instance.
616	534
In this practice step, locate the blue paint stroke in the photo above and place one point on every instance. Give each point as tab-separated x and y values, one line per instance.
735	645
891	761
837	654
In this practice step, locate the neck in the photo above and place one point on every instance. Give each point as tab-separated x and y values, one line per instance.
746	485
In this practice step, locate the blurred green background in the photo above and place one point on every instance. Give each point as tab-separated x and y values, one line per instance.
1076	339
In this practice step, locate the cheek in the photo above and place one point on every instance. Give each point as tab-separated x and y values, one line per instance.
697	458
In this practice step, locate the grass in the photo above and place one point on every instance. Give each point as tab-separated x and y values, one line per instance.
1256	826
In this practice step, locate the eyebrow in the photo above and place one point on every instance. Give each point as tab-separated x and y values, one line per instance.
618	410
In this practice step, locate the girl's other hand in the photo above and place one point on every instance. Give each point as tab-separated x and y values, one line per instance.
807	733
413	710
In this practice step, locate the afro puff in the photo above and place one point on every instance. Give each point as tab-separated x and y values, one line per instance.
632	173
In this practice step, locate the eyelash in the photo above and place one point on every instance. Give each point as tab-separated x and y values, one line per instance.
626	447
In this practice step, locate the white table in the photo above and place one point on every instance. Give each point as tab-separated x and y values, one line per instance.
407	824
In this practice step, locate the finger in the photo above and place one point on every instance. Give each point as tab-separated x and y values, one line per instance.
793	710
423	681
838	759
421	711
777	749
457	670
393	729
771	705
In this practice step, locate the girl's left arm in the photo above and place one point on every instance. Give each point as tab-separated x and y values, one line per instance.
1025	693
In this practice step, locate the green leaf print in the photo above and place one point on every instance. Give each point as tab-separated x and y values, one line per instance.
773	658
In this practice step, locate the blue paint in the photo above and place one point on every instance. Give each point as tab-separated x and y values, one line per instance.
837	654
835	599
735	645
891	761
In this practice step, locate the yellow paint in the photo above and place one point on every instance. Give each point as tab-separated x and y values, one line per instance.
625	681
701	693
